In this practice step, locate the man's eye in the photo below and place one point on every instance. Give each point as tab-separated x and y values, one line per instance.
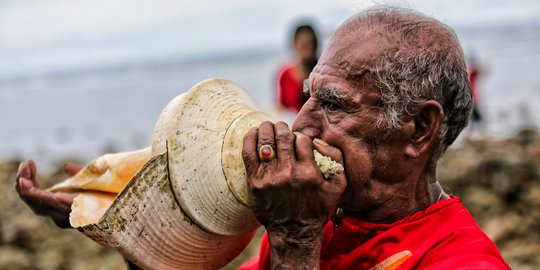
331	107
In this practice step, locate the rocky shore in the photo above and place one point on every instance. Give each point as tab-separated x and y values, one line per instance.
498	181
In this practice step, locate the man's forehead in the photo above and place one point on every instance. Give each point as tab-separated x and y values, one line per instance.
360	33
341	75
353	55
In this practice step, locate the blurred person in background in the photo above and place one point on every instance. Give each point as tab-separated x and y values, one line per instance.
291	77
474	72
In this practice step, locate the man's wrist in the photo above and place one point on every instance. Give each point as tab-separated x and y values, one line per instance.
292	247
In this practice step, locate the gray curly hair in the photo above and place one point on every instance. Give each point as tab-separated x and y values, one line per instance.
424	63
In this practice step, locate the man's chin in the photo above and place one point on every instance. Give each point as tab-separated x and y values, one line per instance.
352	209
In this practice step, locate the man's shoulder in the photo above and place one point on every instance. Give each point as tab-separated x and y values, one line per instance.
460	242
464	245
443	236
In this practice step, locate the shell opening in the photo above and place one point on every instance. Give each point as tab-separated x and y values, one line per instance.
97	185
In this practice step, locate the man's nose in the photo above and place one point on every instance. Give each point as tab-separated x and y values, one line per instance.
308	121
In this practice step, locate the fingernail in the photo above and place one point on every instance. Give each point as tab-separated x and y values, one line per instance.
22	171
320	142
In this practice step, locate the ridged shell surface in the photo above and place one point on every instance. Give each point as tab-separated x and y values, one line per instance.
186	207
195	145
146	224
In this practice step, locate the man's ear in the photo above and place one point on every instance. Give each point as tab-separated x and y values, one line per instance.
425	128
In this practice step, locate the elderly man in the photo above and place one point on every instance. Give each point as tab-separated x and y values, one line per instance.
388	96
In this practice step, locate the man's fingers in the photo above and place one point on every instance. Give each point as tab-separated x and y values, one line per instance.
32	172
266	135
65	198
27	188
55	205
31	195
33	169
249	151
23	186
285	143
25	172
327	150
40	200
72	169
18	177
338	180
304	148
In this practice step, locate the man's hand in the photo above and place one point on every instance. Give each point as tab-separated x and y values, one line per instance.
289	194
56	205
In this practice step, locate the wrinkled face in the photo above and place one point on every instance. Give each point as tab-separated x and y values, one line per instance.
343	110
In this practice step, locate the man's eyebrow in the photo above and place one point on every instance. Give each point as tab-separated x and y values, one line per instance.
332	95
326	94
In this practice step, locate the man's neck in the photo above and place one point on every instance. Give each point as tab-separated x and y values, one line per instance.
397	202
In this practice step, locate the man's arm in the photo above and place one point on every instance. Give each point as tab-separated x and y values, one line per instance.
289	195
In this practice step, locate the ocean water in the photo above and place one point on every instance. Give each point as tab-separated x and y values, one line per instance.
509	89
82	115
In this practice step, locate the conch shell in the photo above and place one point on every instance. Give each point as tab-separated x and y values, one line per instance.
181	203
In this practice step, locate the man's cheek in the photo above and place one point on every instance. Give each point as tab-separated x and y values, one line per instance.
358	168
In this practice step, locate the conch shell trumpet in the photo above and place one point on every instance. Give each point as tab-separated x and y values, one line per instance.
181	203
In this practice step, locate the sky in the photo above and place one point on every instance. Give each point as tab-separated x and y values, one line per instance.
40	38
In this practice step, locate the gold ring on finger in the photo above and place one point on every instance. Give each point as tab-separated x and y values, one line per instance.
266	153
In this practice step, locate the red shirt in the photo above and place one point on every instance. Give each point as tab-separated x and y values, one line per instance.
443	236
290	89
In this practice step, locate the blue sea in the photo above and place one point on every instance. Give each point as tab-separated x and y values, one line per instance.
76	98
